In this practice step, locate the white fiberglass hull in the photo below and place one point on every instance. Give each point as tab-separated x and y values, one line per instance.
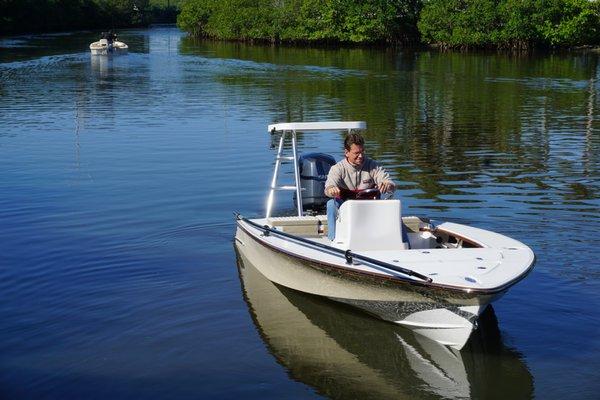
444	313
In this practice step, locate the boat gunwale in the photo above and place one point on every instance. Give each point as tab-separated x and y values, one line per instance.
391	278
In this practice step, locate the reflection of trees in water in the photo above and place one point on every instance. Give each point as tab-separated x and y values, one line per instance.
447	123
590	161
343	353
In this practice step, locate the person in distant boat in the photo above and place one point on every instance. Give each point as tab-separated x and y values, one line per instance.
355	173
111	37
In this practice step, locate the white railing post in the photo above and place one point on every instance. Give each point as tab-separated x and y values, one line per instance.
274	179
297	175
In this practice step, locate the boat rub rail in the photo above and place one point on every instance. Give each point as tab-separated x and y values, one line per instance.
386	279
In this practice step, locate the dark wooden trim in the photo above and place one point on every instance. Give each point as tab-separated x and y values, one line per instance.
461	237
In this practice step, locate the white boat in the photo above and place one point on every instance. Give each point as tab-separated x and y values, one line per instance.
436	281
103	47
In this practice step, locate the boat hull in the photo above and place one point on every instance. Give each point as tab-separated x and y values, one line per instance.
102	49
444	315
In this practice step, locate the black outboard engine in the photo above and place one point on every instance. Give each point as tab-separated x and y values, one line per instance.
313	169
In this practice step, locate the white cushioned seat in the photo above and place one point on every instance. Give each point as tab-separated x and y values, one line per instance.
370	225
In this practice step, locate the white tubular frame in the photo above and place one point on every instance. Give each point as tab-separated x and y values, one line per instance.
293	127
317	126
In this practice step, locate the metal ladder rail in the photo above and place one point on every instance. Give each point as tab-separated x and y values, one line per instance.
278	159
297	187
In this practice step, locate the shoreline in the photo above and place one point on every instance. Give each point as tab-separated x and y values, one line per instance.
397	46
326	44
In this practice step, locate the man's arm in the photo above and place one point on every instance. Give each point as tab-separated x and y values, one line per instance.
332	184
382	178
332	191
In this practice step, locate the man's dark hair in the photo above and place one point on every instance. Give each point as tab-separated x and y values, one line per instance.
353	138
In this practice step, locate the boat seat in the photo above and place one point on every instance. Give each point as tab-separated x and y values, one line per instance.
370	225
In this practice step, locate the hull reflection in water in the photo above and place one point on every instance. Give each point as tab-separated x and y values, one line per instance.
343	353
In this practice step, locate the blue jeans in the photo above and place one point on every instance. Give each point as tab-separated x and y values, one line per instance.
332	210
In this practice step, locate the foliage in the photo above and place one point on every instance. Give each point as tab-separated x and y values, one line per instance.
166	3
449	23
510	23
165	11
55	15
350	21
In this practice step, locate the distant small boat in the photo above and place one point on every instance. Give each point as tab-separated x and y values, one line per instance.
104	47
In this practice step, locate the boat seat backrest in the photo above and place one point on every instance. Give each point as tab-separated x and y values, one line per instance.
370	225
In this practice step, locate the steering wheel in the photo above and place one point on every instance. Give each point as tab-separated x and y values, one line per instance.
368	194
365	194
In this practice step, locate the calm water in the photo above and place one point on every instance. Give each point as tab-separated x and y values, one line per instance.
119	177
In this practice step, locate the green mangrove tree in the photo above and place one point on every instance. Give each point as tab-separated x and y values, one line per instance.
348	21
510	23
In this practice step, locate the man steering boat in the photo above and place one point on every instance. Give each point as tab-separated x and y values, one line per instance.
354	174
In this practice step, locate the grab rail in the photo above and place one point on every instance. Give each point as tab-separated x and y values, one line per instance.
348	254
317	126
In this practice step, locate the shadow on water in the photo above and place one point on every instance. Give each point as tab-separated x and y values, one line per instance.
343	353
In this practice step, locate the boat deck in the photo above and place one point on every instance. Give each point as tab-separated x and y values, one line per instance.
496	261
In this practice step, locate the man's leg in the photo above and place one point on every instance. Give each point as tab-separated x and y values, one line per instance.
405	234
332	209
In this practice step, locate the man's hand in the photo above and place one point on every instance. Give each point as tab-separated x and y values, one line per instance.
333	191
386	187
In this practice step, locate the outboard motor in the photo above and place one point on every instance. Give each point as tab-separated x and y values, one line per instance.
313	169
